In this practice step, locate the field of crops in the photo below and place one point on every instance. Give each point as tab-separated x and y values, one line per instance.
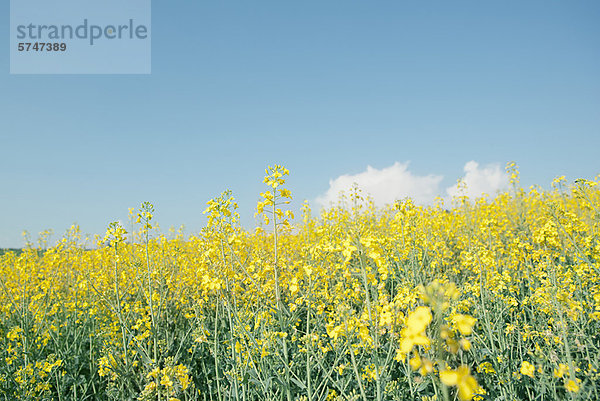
495	299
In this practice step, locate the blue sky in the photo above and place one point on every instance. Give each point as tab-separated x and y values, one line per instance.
326	88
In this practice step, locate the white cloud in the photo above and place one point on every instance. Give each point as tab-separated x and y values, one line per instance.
396	182
487	180
385	185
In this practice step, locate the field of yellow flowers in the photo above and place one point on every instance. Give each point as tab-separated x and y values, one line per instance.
484	299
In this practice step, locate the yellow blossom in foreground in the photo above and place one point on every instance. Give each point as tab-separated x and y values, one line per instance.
527	369
572	386
464	323
462	379
413	333
560	372
418	320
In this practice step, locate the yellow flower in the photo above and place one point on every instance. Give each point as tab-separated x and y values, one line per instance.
13	334
166	381
413	334
527	369
464	323
449	377
154	373
572	386
427	367
407	343
462	379
418	320
415	361
486	367
560	372
294	286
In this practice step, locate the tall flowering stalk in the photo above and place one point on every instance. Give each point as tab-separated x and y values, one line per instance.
144	217
272	199
115	235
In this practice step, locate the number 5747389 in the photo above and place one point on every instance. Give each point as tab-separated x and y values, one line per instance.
41	47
